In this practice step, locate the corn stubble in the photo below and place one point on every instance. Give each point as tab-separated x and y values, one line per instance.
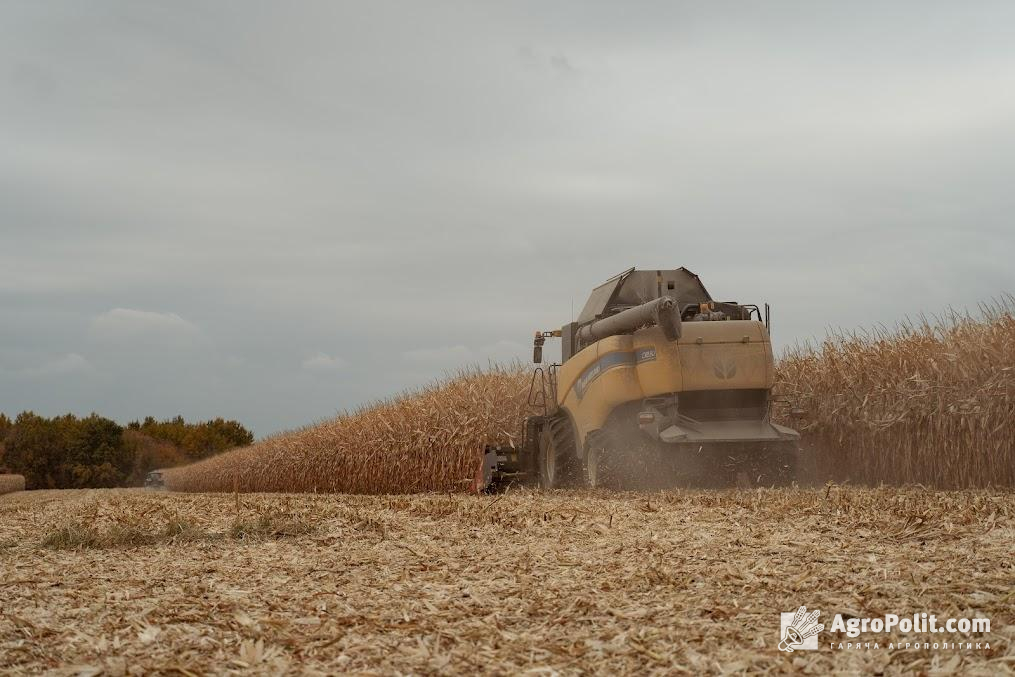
929	402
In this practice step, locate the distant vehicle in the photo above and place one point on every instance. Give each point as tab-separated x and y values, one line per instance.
153	480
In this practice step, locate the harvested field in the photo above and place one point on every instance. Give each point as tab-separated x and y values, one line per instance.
11	483
675	582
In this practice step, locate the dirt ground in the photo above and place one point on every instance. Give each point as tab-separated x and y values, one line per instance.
125	581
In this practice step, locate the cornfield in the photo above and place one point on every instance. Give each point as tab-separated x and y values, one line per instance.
930	403
428	440
11	483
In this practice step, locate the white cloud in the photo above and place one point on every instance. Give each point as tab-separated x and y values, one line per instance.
125	325
324	362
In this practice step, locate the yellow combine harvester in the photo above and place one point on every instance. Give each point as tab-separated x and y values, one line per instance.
658	384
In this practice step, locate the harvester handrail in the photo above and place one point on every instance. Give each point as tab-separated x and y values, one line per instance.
539	398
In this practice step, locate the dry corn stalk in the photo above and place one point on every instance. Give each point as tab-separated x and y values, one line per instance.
11	483
930	402
430	440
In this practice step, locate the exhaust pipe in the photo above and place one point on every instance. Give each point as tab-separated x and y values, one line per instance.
661	311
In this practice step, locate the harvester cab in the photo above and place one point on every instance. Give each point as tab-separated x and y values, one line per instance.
658	384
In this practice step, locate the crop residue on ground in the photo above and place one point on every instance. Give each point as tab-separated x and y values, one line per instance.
568	581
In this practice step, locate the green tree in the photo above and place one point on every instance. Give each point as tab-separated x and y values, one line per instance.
197	440
94	451
5	427
33	448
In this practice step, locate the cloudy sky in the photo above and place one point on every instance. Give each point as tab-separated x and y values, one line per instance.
274	211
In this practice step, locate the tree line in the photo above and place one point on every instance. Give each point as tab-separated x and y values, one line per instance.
66	452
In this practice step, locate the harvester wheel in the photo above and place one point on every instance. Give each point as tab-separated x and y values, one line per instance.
599	461
556	460
627	460
548	461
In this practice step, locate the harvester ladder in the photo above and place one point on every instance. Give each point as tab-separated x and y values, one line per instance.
543	390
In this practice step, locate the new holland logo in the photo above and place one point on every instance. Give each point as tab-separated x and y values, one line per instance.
724	369
799	630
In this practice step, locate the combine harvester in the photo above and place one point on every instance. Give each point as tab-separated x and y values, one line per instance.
658	384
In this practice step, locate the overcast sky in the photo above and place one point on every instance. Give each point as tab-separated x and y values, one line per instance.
273	211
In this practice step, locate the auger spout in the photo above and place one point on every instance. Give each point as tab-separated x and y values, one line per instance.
661	311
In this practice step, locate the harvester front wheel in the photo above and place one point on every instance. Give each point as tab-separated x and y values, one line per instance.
555	462
547	460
